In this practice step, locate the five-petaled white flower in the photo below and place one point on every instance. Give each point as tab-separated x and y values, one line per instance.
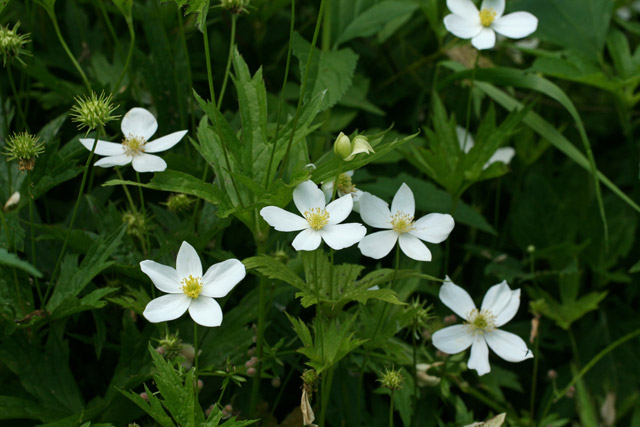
499	305
503	154
319	221
345	186
481	26
400	226
138	125
188	289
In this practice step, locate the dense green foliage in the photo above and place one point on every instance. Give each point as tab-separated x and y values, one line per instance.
264	88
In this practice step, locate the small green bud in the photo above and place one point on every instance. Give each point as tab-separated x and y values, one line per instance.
360	145
179	202
137	223
309	377
235	6
171	346
391	379
342	146
93	111
12	44
24	148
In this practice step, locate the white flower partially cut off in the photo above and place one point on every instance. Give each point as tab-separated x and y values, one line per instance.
503	154
188	289
481	26
137	126
318	222
499	305
400	227
345	186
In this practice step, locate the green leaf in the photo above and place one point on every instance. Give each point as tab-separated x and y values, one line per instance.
575	24
15	407
330	71
199	7
125	7
569	311
12	260
270	267
374	19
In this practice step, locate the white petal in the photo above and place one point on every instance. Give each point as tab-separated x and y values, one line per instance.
139	122
164	143
356	200
486	39
327	189
166	307
340	209
308	196
503	155
496	5
479	359
107	162
307	240
452	339
462	27
461	133
374	211
463	8
433	228
206	311
502	302
342	236
283	220
414	248
103	148
508	346
163	277
378	245
148	163
403	201
456	298
220	278
188	262
516	25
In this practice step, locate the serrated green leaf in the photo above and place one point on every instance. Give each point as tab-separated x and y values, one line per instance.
272	268
12	260
199	7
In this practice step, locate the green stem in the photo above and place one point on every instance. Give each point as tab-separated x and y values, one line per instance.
108	24
73	215
232	42
32	234
132	36
391	409
197	370
336	179
212	94
262	314
23	119
183	40
126	191
15	274
534	380
468	118
281	103
56	28
415	377
144	214
303	89
326	392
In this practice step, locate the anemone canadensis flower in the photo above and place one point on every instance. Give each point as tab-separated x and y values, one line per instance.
481	26
400	227
499	305
503	154
188	289
138	126
318	222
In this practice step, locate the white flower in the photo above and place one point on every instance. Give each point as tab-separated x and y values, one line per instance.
138	125
188	289
400	226
503	155
481	26
499	306
345	186
319	221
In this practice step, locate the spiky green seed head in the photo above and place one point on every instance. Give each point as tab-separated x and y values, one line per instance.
12	44
391	379
23	147
92	111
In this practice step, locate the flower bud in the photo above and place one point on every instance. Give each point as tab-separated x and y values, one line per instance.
360	145
93	111
391	379
342	146
24	148
424	379
12	44
179	202
276	382
144	395
251	371
235	6
12	201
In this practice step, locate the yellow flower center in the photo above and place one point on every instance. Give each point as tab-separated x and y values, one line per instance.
487	16
402	222
345	185
191	286
481	321
317	218
133	145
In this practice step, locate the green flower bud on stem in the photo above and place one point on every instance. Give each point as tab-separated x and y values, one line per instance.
12	44
342	146
347	149
391	379
93	111
235	6
24	148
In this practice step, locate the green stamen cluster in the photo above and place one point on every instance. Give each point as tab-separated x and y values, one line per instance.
24	148
481	321
12	44
345	185
235	6
179	202
137	223
391	379
93	111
